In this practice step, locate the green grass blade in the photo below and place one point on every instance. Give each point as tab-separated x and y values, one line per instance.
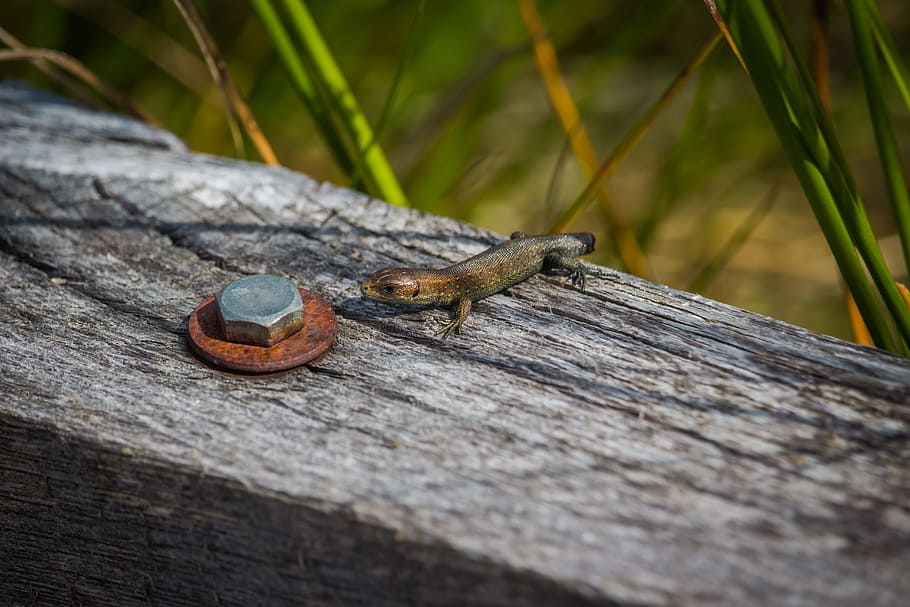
823	144
839	182
881	123
794	121
375	166
822	118
305	87
889	51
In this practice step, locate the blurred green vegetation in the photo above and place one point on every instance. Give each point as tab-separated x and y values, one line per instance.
470	132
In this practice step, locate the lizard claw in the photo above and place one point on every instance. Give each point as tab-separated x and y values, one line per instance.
578	279
449	327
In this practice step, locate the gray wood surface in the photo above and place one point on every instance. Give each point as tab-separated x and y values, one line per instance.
632	445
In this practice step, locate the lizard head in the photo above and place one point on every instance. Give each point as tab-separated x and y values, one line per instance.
392	284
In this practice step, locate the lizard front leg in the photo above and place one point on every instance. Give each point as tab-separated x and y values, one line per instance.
462	310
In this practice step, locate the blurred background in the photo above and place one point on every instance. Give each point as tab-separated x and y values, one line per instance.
464	118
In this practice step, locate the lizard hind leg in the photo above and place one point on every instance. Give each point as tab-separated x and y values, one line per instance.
568	266
454	326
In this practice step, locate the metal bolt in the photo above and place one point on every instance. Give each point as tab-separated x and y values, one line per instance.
206	338
260	310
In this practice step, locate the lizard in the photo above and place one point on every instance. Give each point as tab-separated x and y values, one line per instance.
491	271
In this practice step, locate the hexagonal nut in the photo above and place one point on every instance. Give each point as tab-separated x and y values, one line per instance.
260	310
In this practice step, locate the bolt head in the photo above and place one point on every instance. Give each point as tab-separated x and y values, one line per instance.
260	310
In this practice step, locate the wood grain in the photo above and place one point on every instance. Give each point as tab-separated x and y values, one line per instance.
632	445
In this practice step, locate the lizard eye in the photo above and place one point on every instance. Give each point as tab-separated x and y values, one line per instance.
391	284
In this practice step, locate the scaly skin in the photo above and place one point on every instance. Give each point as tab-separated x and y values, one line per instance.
499	267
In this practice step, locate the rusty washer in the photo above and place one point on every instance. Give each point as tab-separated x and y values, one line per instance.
309	337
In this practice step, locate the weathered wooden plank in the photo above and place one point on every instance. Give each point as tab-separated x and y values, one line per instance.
629	445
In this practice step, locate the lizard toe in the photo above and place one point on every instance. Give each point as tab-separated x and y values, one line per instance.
578	279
